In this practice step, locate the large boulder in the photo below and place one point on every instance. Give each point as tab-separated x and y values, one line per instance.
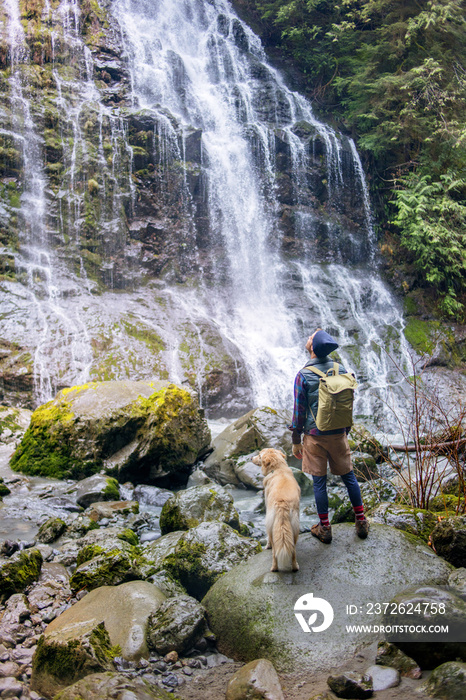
258	680
190	507
108	686
447	681
108	622
176	625
416	521
138	431
261	427
251	610
20	570
449	540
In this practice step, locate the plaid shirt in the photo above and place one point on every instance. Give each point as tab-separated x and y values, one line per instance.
300	413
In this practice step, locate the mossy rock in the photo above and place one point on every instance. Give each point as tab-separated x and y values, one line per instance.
373	493
449	540
447	504
414	521
4	490
140	431
361	440
57	664
198	504
447	681
51	530
108	686
19	571
389	655
176	625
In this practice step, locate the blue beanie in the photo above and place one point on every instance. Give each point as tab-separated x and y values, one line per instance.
323	343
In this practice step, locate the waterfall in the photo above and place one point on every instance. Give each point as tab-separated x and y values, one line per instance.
192	219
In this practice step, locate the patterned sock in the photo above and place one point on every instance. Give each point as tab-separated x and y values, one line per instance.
359	512
324	521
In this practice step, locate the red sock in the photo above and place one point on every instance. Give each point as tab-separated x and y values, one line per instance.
324	521
359	512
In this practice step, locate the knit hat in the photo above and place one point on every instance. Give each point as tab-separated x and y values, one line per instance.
323	343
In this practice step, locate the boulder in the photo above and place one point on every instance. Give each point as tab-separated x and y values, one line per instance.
196	505
51	530
365	466
198	557
151	495
108	622
383	677
415	521
108	509
260	619
136	430
361	440
95	489
16	573
447	681
248	473
449	540
108	686
388	655
457	580
176	625
261	427
433	607
351	685
257	679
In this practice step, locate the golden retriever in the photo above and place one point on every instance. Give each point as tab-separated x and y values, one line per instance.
282	495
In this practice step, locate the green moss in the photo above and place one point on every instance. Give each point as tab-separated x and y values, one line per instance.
109	568
129	536
171	518
422	335
89	552
149	337
111	492
17	574
186	565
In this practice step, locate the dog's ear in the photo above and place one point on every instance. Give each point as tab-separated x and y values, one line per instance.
266	461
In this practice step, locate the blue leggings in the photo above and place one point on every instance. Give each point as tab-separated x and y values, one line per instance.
320	491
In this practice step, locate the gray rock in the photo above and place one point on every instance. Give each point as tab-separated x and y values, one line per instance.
413	520
364	466
457	580
257	679
11	688
383	677
369	570
51	530
96	488
198	504
389	655
447	681
449	540
151	495
261	427
108	686
351	685
249	473
176	625
108	509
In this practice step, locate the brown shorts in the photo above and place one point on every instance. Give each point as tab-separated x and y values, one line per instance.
318	449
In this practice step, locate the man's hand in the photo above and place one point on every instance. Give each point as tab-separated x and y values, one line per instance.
298	451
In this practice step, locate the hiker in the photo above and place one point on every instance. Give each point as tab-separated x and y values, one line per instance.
320	446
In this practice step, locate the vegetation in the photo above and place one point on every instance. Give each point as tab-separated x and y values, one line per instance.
393	73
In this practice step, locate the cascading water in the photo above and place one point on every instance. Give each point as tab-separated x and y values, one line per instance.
177	167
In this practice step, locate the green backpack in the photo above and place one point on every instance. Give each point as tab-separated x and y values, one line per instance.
336	394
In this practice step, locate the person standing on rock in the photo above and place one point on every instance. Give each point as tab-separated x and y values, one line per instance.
319	447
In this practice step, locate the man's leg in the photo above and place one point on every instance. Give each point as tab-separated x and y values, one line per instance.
322	530
354	493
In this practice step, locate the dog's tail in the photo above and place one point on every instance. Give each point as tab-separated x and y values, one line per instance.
285	534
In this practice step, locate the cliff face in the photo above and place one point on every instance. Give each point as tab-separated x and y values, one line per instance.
151	190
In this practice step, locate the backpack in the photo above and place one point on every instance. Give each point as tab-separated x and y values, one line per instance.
336	394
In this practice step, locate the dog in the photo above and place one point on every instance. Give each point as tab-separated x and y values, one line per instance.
282	494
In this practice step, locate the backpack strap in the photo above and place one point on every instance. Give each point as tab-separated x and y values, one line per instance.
316	371
336	369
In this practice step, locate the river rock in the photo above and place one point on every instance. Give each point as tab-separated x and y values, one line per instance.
176	625
389	655
84	638
457	580
383	677
364	466
261	427
361	440
51	530
138	430
198	504
428	606
13	423
351	685
449	540
248	473
151	495
108	686
447	681
198	557
257	679
96	488
108	509
261	619
16	573
416	521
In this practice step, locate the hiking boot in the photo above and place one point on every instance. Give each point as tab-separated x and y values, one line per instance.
362	528
323	533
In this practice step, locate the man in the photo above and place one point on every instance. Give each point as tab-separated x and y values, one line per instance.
318	447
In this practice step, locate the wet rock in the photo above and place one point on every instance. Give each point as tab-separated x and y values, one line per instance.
176	625
48	593
139	430
10	669
412	520
364	466
433	606
257	679
383	677
151	495
351	685
12	631
8	548
95	489
100	510
51	530
389	655
457	580
11	688
372	570
447	681
13	423
19	571
66	656
249	473
261	427
449	540
361	440
107	686
198	504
